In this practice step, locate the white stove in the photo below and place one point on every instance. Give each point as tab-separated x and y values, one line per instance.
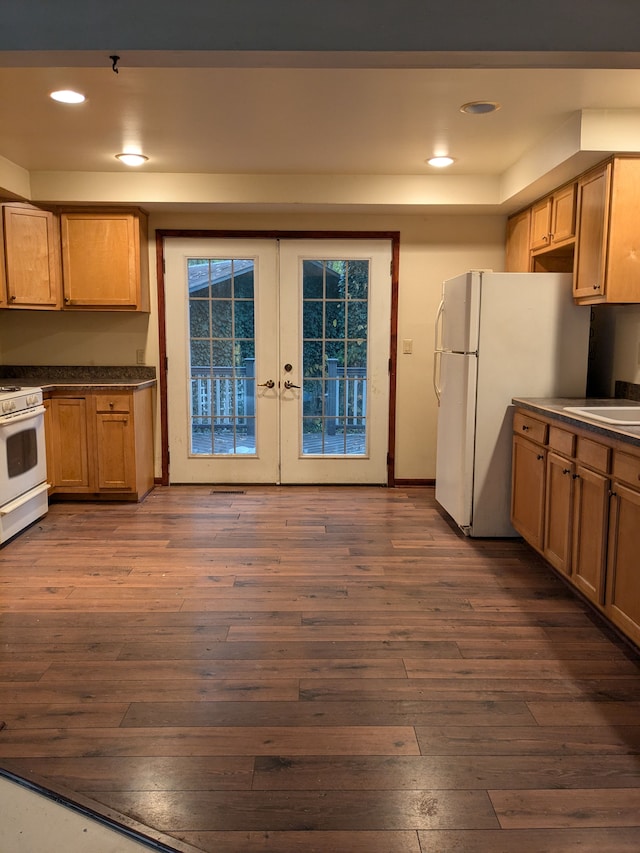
23	466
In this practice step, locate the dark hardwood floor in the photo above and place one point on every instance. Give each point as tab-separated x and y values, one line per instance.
284	669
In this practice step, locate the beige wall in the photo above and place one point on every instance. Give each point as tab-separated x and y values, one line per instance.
432	248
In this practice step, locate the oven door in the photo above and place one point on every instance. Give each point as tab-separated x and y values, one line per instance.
23	462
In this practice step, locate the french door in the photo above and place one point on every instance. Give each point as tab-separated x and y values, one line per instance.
278	356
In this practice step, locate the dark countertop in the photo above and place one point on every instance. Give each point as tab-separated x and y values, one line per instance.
554	407
79	378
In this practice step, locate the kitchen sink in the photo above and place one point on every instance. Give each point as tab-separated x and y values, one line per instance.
629	415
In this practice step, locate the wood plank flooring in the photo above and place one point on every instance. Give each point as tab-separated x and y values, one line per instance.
279	669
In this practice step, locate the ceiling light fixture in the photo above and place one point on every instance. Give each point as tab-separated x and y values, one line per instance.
132	159
440	162
67	96
479	108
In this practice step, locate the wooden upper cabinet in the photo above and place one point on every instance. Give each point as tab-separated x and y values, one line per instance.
517	249
31	257
553	219
541	224
607	267
105	260
593	210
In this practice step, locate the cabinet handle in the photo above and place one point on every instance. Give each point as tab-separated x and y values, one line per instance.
613	494
576	476
566	470
525	428
540	456
596	287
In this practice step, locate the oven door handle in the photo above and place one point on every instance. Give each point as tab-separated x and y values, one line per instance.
7	420
18	502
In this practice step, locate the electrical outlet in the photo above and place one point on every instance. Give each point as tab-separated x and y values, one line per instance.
139	356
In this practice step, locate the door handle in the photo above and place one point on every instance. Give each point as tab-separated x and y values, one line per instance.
268	384
289	385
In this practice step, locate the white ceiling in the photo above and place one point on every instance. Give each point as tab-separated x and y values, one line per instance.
264	119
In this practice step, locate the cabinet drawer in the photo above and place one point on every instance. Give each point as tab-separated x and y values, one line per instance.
562	441
113	402
626	468
593	455
534	430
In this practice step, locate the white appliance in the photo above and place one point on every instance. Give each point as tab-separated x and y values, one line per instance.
23	466
498	336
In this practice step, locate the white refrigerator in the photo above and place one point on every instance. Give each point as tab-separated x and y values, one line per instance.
498	336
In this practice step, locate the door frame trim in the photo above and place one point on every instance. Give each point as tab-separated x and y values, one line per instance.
208	234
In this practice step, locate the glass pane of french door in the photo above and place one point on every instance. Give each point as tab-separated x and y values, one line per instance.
222	355
334	356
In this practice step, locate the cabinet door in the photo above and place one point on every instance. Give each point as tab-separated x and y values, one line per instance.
527	493
101	261
558	511
541	224
517	251
590	520
32	259
115	451
70	444
622	603
593	210
563	214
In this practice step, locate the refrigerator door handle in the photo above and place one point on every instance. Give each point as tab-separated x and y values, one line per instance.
438	327
437	360
437	350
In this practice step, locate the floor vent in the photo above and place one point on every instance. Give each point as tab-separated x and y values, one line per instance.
228	492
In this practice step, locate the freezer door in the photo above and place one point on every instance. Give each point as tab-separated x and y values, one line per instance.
455	444
460	313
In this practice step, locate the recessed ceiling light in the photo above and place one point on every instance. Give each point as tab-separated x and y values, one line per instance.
67	96
479	108
440	162
131	159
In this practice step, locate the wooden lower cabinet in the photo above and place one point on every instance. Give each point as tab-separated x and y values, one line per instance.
528	492
590	530
101	445
622	599
590	523
69	466
558	517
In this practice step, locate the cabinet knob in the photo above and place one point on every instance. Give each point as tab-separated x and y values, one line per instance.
596	287
12	298
540	456
111	404
566	470
525	428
